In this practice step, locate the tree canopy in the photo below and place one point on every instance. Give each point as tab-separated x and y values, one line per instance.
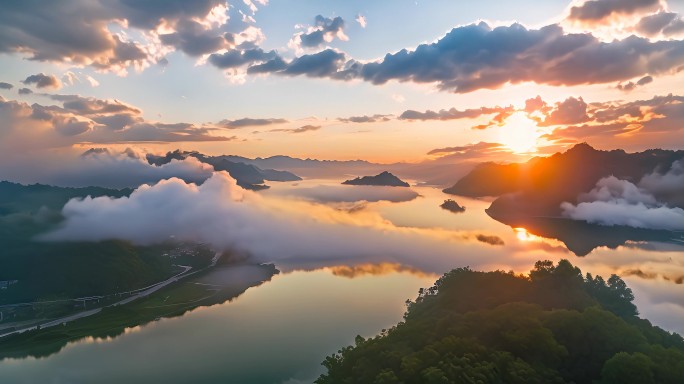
553	326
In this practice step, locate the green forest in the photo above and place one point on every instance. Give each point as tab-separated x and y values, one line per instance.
554	326
47	270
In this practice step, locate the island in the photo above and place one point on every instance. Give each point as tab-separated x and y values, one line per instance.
554	325
383	179
452	206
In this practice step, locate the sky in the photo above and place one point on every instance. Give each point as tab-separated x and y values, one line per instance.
386	81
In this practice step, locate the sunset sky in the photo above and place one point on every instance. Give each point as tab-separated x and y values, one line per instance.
385	81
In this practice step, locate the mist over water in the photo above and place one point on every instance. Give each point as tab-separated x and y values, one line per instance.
318	304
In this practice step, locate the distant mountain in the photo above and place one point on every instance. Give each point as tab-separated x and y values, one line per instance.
539	186
248	176
383	179
530	194
29	198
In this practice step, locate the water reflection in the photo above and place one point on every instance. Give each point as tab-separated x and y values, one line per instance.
278	332
581	238
217	286
282	330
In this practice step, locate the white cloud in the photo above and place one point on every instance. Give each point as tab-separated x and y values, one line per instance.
361	20
228	217
620	202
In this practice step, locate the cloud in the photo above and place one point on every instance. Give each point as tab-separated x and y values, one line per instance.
24	91
92	81
536	105
465	150
327	63
597	10
120	170
630	86
665	23
88	106
322	64
652	275
4	85
570	111
324	30
365	119
80	33
477	56
454	114
620	202
379	269
195	39
98	167
248	122
237	58
666	186
230	218
361	20
490	239
302	129
42	80
87	120
352	194
651	118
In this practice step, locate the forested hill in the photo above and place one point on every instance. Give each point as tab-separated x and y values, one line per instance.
539	186
16	198
555	326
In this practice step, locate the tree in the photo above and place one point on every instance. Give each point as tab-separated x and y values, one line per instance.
625	368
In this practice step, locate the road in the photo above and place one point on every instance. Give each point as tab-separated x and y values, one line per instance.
136	294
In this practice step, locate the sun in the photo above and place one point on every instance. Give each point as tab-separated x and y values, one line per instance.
523	235
519	134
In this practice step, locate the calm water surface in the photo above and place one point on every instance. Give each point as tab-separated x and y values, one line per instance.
279	332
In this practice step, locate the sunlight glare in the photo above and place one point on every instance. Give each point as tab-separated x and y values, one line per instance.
519	134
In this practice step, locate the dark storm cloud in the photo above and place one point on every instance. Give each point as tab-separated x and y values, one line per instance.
42	80
596	10
248	122
4	85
